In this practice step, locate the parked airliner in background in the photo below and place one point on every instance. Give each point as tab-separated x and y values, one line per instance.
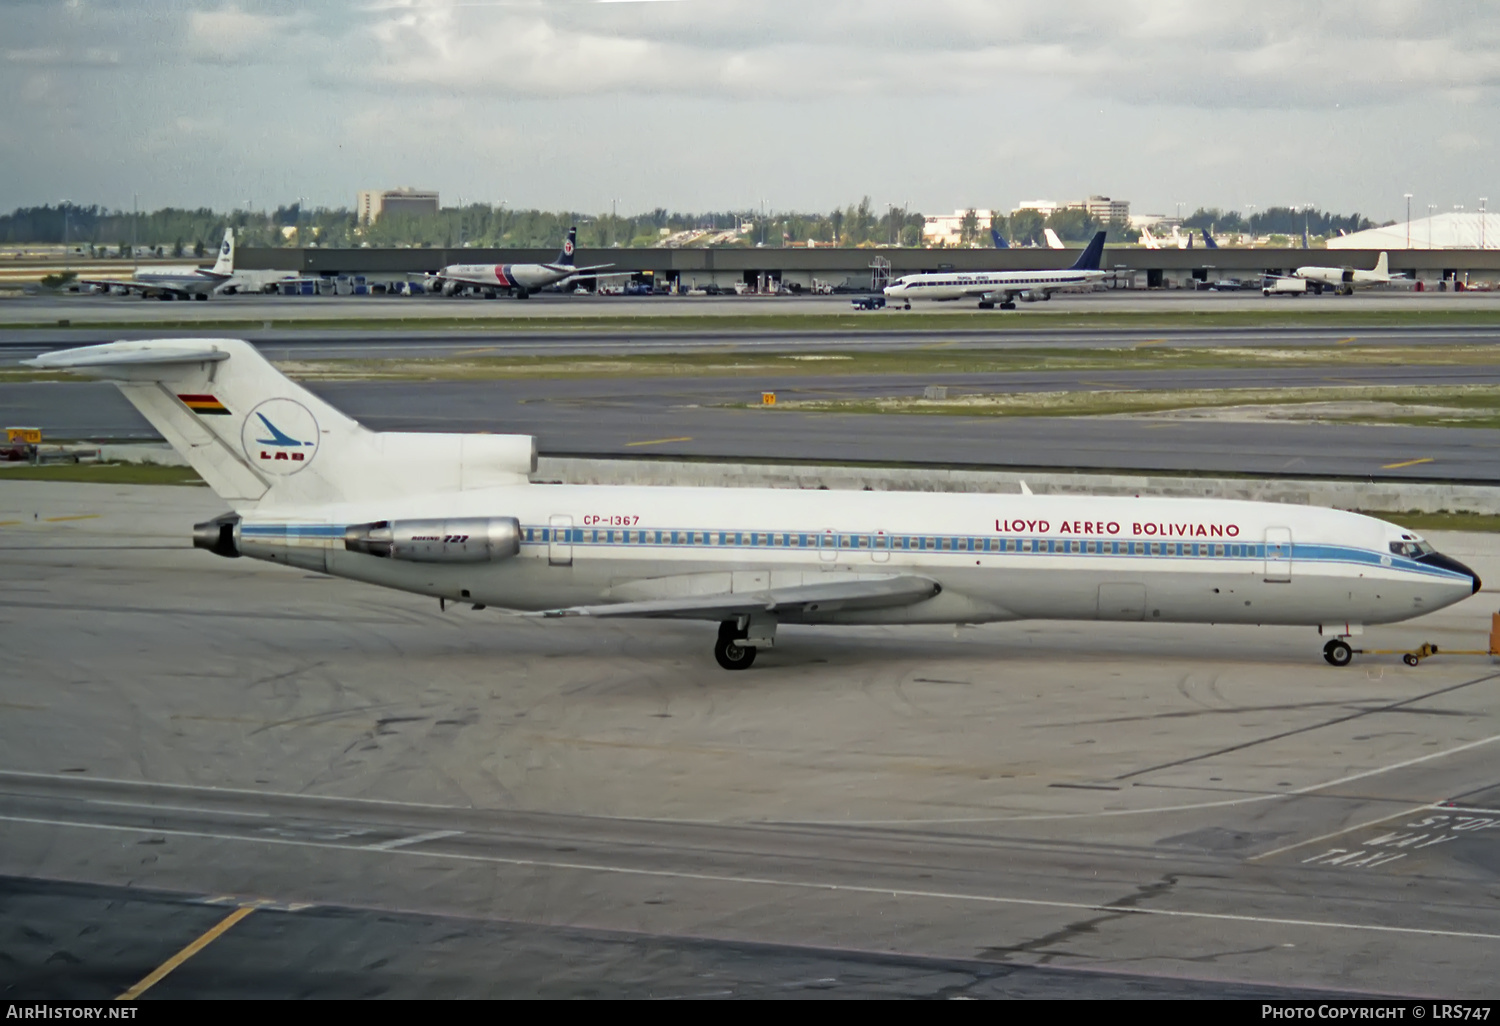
1000	287
1053	242
1148	240
190	282
1343	280
456	517
519	280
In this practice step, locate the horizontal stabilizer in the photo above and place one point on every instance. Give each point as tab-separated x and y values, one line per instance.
124	355
861	593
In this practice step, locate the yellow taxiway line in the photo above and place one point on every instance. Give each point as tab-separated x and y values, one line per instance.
1408	463
658	441
161	971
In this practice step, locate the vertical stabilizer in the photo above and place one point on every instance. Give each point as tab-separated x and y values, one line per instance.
262	441
1383	265
1091	258
565	255
243	426
999	239
224	265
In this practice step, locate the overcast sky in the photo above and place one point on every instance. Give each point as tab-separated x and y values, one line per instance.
713	104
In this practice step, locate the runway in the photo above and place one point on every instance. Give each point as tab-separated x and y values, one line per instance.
419	803
683	416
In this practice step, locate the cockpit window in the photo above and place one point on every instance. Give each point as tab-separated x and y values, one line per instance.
1411	549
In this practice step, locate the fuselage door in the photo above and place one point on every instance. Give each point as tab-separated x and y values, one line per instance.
1278	554
880	547
1122	601
560	540
828	546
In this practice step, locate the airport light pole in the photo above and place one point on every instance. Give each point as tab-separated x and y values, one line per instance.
1431	209
67	257
1408	219
1482	201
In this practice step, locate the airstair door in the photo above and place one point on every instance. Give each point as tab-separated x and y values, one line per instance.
1278	554
560	540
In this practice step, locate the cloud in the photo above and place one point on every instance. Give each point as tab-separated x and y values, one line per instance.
1158	52
229	33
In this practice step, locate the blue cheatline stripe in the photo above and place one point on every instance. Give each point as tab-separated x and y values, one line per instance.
850	541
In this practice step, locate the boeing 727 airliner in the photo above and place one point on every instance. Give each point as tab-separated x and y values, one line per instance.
456	517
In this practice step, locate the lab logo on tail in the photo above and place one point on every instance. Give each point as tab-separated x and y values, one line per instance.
280	436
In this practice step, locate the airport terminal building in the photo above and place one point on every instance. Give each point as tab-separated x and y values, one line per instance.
848	269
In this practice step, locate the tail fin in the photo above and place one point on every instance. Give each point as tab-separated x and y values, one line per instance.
1053	242
1149	239
259	439
1208	240
1304	238
565	255
225	264
1383	265
1090	259
999	239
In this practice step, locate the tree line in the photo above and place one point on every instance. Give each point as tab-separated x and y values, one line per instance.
179	231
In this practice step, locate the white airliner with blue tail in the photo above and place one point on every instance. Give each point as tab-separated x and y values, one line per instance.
1000	288
519	280
456	517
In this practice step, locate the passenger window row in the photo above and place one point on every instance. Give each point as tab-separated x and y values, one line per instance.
896	543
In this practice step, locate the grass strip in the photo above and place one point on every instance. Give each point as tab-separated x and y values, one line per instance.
1279	315
103	473
1440	521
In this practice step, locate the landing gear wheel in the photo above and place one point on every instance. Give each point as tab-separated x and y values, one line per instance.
1338	653
732	655
1007	306
1410	659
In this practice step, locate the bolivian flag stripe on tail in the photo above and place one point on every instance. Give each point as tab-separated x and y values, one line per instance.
206	405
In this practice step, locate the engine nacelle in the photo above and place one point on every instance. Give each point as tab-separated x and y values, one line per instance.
217	536
459	540
1037	296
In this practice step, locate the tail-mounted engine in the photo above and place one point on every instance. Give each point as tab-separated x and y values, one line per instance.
462	540
217	535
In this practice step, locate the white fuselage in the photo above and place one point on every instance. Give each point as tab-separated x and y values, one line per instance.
529	277
996	557
997	286
1342	277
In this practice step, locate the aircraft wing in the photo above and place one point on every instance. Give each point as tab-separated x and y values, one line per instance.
860	593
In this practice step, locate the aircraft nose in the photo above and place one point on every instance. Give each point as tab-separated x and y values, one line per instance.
1437	559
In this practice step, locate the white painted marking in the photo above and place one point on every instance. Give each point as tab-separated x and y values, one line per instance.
177	808
402	842
1337	833
1226	803
807	885
1460	808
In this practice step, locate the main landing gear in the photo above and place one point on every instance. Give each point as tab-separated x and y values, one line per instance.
1338	652
729	650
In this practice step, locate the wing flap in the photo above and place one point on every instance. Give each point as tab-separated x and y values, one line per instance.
862	593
